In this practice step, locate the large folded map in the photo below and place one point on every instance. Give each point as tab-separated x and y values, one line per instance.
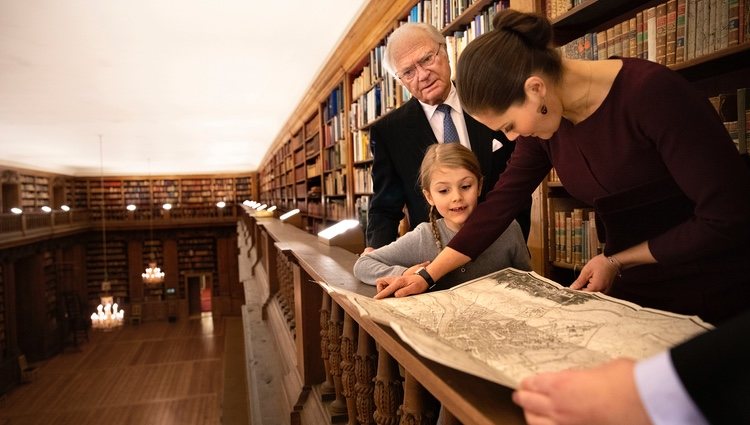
512	324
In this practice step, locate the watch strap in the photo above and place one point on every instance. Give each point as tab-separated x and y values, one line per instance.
426	276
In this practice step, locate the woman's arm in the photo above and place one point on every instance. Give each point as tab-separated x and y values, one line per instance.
401	286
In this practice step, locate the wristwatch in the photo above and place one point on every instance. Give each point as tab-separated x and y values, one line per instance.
426	276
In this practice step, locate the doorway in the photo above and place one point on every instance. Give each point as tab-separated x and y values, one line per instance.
10	196
199	293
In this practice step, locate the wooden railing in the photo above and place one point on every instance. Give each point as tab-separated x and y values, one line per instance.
340	366
21	228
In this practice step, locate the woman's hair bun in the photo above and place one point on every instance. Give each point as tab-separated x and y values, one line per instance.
535	30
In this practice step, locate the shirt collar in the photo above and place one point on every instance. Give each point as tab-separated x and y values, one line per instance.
451	100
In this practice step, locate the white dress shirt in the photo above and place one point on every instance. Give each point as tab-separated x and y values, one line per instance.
457	114
662	393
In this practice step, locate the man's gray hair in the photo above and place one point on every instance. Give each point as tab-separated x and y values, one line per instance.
405	32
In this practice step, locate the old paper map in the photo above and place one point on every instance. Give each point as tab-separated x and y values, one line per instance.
512	324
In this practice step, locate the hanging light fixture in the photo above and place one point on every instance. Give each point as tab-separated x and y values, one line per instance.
108	316
153	274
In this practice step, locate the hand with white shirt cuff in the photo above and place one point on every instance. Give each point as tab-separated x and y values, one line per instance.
605	394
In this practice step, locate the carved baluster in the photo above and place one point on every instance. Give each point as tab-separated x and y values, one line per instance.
389	392
364	368
419	406
348	380
326	389
338	406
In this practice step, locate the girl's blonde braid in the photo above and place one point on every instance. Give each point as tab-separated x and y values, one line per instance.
435	230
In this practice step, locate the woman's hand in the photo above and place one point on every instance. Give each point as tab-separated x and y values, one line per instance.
413	269
597	275
400	286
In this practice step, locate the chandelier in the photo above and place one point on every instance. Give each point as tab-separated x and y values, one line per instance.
153	274
108	316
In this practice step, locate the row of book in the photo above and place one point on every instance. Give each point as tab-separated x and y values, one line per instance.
336	209
482	23
334	183
438	13
363	179
333	132
361	146
669	33
555	8
573	237
335	156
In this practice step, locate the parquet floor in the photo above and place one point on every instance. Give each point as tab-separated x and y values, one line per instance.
154	373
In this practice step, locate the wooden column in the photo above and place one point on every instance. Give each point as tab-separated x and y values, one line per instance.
419	407
308	297
348	378
364	368
335	324
326	389
389	392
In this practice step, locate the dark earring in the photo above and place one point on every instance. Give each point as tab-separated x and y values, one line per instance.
543	109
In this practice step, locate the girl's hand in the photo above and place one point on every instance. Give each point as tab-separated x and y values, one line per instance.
597	275
400	286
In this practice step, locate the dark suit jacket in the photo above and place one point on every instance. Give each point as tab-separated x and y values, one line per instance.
398	143
714	369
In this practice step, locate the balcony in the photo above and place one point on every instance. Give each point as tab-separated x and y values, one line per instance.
20	229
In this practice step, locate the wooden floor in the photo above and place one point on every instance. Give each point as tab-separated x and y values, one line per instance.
153	373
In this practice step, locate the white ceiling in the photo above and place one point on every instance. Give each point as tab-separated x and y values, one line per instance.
172	87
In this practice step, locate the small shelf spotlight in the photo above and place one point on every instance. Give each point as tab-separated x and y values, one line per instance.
221	204
65	208
16	210
167	206
131	207
346	234
289	214
46	209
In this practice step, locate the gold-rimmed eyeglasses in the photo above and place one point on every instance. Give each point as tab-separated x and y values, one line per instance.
426	61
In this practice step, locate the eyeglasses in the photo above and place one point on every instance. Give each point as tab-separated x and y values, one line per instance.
426	61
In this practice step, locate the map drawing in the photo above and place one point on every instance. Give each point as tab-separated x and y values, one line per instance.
512	324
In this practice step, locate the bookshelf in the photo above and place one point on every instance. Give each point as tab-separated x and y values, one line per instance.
336	160
116	268
309	176
137	192
50	285
106	196
35	192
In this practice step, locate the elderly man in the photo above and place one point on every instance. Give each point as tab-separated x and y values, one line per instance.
416	55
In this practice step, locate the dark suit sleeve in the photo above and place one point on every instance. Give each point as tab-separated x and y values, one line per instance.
715	369
386	205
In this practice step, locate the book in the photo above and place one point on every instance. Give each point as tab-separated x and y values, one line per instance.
661	34
680	31
650	34
690	29
671	32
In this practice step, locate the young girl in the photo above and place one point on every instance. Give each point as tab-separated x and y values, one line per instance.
451	180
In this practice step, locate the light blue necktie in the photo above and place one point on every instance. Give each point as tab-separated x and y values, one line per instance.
450	134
